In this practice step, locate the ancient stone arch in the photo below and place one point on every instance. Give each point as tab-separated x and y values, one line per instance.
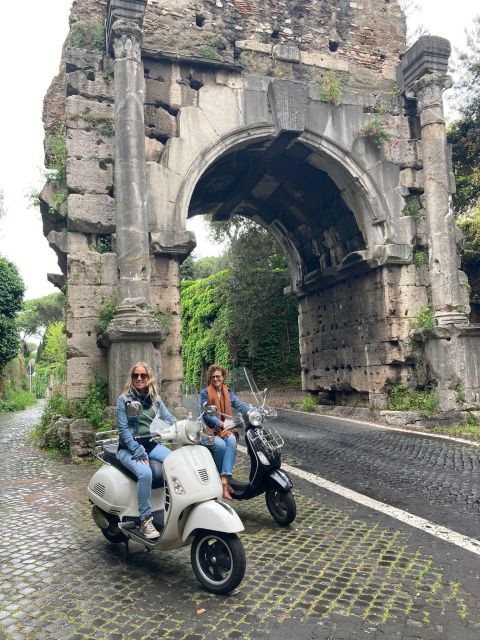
315	123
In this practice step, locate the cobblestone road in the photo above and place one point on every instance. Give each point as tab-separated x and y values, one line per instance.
341	572
435	478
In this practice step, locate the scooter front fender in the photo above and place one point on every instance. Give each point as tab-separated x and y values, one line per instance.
280	479
214	516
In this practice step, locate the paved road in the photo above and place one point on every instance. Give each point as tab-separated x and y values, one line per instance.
342	572
434	478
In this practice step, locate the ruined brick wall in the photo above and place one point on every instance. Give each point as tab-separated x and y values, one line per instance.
357	334
360	40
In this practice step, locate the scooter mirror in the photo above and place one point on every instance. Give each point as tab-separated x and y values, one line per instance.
211	410
134	408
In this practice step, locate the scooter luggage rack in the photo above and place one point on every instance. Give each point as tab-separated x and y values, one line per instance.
102	438
268	437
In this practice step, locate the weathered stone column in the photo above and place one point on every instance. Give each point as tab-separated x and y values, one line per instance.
447	297
133	334
452	348
130	169
424	68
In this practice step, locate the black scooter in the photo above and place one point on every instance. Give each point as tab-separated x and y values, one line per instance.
266	476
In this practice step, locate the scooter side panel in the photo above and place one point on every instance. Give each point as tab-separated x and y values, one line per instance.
113	491
214	516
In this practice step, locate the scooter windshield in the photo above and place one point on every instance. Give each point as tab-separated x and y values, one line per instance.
241	381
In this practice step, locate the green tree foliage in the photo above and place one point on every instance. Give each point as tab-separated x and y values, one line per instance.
35	315
55	349
192	269
240	316
464	135
11	296
262	329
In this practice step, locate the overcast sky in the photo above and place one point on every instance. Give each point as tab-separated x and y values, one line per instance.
30	46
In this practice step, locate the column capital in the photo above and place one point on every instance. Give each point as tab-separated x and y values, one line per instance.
430	85
126	40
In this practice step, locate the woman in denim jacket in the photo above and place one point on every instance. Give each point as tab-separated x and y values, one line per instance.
224	448
134	448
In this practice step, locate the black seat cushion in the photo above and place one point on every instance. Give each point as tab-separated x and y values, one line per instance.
110	457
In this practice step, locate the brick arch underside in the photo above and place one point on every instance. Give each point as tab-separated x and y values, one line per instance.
344	343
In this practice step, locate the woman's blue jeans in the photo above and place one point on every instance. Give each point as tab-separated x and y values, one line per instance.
224	453
144	475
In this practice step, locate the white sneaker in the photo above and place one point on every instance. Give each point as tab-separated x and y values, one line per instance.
147	529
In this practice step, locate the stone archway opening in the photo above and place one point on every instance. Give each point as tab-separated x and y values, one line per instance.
278	183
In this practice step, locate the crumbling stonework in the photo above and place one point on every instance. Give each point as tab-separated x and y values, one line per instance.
287	113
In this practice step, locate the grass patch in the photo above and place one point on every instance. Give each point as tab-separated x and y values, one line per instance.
469	429
308	404
401	398
16	400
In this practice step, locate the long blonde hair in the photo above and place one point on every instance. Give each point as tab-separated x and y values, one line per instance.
152	385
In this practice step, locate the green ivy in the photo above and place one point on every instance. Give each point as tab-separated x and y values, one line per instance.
203	325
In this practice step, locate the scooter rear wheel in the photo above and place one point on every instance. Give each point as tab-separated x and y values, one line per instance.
281	505
218	560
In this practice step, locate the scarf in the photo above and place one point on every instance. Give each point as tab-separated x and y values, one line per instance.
224	408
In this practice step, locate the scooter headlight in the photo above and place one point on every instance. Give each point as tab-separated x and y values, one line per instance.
255	418
192	431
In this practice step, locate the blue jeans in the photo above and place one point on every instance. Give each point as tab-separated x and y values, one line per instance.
224	453
144	475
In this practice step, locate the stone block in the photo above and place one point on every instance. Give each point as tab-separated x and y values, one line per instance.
81	345
288	53
88	144
288	101
97	85
76	59
84	113
219	104
159	123
82	439
81	372
153	150
412	179
324	61
91	213
93	268
429	54
89	176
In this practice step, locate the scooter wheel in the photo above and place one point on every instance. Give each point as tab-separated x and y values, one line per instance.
112	533
281	505
218	560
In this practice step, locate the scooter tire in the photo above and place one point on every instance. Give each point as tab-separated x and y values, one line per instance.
218	560
281	505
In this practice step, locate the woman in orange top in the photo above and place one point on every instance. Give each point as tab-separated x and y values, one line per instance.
224	448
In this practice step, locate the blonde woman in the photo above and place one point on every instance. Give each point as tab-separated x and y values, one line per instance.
135	449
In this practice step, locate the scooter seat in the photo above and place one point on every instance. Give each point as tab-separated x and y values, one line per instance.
110	457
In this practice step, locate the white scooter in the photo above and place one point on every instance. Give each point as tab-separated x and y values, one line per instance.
185	505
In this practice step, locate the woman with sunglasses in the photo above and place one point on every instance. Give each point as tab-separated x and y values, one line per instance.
224	448
134	448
